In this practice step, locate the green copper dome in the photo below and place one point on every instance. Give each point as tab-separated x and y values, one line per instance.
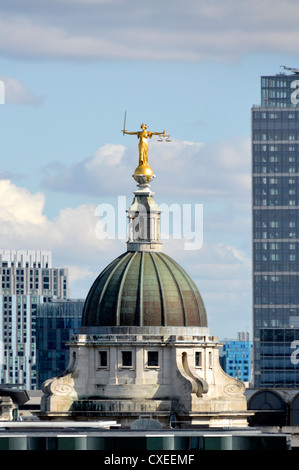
144	289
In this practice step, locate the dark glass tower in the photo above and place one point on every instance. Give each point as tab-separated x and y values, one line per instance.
275	198
56	321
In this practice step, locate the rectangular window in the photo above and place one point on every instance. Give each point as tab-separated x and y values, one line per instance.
126	358
210	360
198	359
103	359
152	358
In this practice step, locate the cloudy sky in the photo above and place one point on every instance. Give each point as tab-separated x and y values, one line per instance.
71	68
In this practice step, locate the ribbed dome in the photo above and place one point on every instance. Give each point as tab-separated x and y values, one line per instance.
144	289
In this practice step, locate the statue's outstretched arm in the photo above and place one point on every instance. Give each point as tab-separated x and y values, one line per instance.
131	133
157	133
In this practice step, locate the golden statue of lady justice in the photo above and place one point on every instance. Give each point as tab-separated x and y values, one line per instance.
143	135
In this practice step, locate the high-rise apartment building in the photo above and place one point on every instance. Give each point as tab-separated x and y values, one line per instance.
28	280
275	198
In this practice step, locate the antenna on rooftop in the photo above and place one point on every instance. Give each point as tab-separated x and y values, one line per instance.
291	69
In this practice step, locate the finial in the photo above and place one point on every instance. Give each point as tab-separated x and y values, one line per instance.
143	173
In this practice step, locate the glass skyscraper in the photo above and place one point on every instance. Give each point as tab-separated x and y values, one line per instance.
28	280
56	321
236	357
275	207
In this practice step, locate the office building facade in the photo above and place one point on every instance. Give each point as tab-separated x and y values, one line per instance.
28	280
56	321
275	214
235	358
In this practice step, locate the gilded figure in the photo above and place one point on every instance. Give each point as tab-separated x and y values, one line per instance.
143	135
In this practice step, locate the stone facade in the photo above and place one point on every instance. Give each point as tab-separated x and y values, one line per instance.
169	373
6	409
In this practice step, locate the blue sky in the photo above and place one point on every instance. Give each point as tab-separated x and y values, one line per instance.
72	68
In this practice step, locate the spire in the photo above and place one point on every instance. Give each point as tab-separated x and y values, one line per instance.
144	214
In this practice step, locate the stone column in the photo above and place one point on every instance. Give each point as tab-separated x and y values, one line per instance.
113	366
139	378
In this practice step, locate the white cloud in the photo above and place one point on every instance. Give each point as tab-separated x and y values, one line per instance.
97	175
101	29
71	236
194	169
108	156
19	206
16	92
79	273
